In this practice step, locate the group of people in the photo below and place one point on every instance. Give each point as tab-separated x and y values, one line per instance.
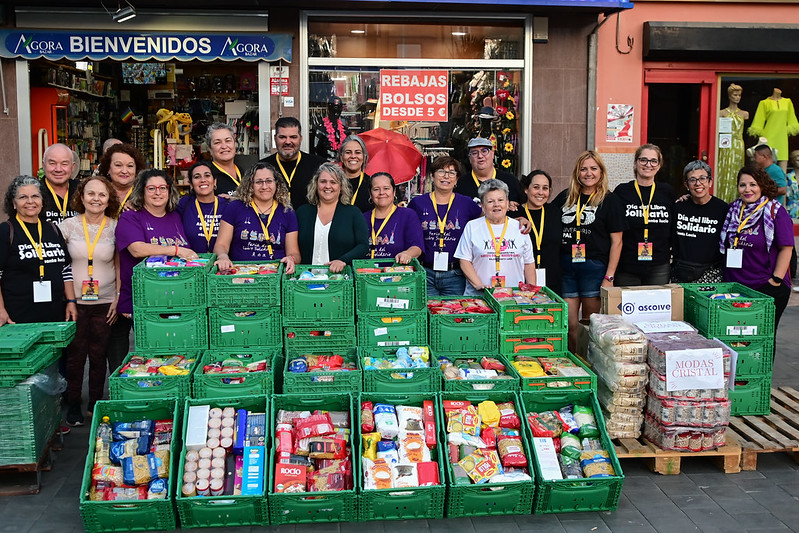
68	248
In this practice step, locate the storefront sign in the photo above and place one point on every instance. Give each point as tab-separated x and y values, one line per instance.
126	46
646	305
414	95
694	369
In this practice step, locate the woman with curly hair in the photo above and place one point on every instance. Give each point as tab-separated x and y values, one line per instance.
259	224
121	163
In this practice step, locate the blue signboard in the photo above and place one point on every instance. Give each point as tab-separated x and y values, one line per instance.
93	45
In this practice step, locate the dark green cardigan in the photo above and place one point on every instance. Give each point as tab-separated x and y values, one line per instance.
348	238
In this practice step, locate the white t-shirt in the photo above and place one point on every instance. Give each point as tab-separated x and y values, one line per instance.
321	252
476	246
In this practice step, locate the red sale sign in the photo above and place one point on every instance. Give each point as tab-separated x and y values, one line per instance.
414	95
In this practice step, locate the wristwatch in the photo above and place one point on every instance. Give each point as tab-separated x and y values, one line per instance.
610	278
776	279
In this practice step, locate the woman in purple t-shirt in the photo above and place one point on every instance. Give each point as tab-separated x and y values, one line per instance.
201	209
758	239
393	231
259	224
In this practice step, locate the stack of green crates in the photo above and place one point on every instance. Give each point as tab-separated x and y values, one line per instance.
527	328
391	310
319	319
746	325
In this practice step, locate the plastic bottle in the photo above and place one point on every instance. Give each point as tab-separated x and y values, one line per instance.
103	442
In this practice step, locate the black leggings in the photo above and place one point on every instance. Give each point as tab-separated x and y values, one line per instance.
780	295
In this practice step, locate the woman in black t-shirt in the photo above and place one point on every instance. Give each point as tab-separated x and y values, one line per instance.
593	221
546	231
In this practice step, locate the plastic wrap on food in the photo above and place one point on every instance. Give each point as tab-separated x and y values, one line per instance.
614	395
660	343
657	386
615	381
671	412
684	439
613	329
611	367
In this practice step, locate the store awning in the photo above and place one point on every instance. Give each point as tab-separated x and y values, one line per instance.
604	4
129	46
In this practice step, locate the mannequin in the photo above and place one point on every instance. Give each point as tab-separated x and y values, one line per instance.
731	159
330	132
775	120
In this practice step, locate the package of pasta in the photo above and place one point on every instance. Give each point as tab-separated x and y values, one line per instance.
596	463
133	430
511	451
339	419
412	448
465	420
410	418
545	424
157	489
128	448
386	422
327	448
141	469
302	446
489	413
319	481
108	474
585	418
313	426
404	475
570	446
288	417
376	474
367	417
507	416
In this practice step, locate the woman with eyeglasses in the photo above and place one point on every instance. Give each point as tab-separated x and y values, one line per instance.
393	231
443	214
353	157
697	225
649	210
259	224
201	210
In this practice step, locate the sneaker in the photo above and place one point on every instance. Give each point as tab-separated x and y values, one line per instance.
74	415
64	429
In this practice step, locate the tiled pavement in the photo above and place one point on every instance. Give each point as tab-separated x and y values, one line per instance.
700	498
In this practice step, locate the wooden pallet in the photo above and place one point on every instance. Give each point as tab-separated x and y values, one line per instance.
777	432
19	479
668	462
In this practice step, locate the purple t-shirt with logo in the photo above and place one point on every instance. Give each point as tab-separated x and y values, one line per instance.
462	211
187	208
141	226
402	231
249	242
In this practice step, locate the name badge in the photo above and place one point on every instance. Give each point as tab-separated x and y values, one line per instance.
90	290
42	292
578	253
644	251
541	277
440	261
497	281
735	258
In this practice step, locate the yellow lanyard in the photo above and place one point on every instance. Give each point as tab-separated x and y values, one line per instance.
90	245
477	181
237	179
580	213
745	220
121	205
383	225
497	242
207	231
442	223
646	208
538	232
266	228
283	170
61	208
358	188
38	247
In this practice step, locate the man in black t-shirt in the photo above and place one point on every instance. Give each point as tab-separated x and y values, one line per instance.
698	223
297	167
481	161
57	188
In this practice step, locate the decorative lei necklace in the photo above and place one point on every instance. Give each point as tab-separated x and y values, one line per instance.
335	143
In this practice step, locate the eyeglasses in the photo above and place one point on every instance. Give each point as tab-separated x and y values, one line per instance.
25	198
451	173
159	188
481	151
700	179
643	161
263	183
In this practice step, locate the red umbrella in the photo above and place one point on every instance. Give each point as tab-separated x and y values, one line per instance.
391	152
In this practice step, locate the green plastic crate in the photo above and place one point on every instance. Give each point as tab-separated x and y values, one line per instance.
513	317
398	329
755	354
717	318
305	305
548	383
15	343
573	495
405	503
244	327
252	383
141	515
251	290
539	344
171	329
373	295
313	338
752	395
394	381
152	387
227	510
59	334
463	333
468	385
170	286
489	499
41	356
323	381
313	507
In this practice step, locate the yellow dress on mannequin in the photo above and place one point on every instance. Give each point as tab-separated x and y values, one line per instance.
775	119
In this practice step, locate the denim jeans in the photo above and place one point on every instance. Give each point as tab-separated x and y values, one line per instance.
449	283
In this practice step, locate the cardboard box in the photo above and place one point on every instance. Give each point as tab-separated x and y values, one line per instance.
650	303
